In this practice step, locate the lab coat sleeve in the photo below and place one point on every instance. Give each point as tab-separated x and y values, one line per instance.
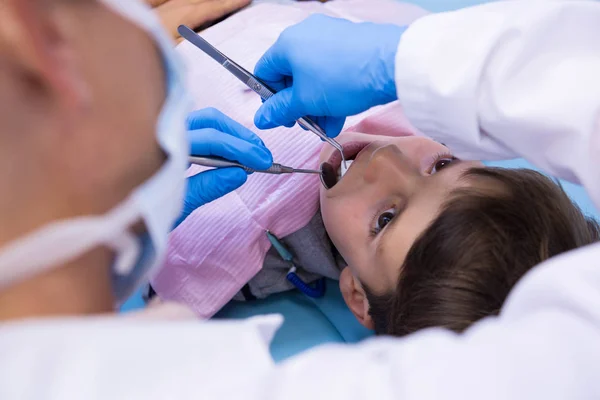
509	79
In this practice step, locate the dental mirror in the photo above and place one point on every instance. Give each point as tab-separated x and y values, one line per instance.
328	175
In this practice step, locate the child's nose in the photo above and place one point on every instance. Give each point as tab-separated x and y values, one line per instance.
389	165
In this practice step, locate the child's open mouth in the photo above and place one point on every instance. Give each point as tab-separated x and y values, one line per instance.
332	170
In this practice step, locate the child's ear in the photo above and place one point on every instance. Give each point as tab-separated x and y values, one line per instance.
355	298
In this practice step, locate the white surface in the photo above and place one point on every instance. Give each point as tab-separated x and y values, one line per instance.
544	345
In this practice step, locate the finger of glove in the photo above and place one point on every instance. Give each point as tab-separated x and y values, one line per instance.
211	142
274	68
215	119
209	186
332	125
278	110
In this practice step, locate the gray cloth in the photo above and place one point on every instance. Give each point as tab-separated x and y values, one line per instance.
314	255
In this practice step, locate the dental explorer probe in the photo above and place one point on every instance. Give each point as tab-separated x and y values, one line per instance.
257	86
276	169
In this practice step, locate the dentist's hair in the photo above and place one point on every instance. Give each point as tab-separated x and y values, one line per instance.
486	237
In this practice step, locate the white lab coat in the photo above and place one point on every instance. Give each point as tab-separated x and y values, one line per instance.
501	80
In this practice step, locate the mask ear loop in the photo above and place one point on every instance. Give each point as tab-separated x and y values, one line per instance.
128	250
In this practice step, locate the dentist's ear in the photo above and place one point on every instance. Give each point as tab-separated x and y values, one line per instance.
355	297
35	32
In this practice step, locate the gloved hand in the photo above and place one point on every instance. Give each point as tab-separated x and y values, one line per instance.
211	133
328	68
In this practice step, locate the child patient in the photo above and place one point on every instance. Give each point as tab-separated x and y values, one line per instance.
430	240
415	237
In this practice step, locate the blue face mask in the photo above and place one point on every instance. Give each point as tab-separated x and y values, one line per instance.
157	202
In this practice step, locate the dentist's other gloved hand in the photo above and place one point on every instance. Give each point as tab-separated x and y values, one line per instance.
328	68
211	133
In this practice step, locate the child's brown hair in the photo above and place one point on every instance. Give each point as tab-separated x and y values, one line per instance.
487	237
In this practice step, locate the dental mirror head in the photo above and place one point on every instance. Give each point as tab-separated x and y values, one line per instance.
329	176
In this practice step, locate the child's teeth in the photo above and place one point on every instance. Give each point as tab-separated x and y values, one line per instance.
344	169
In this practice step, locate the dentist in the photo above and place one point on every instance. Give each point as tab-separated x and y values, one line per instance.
92	178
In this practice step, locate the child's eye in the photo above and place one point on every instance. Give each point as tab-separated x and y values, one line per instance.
384	218
441	163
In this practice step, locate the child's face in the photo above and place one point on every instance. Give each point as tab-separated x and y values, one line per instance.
390	194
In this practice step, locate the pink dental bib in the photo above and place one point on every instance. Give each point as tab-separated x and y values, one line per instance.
222	246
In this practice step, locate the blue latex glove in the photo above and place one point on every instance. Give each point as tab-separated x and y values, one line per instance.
328	68
211	133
